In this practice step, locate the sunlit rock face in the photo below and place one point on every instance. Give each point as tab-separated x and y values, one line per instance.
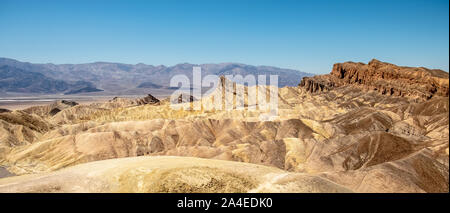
373	127
385	78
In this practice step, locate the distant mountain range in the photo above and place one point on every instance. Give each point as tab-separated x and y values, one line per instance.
17	80
116	78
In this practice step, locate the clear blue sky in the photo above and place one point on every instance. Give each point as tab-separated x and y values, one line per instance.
304	35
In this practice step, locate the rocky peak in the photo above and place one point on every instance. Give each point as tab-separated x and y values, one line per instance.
69	103
149	99
2	110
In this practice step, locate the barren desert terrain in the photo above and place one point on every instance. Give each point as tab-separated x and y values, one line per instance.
373	127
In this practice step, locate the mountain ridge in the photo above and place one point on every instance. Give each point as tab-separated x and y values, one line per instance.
17	80
119	78
383	77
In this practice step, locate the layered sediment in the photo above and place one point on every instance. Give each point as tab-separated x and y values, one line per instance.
385	78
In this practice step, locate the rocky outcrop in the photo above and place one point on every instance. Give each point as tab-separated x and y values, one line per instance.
51	109
30	121
185	98
149	99
318	83
19	128
69	103
385	78
4	110
127	102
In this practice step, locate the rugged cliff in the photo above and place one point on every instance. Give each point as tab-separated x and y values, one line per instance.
386	78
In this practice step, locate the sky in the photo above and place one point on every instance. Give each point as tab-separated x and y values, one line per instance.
309	35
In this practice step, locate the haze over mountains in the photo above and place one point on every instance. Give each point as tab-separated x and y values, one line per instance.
116	78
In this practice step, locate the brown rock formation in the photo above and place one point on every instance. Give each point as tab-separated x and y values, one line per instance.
149	99
4	110
385	78
126	102
185	98
51	109
319	83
